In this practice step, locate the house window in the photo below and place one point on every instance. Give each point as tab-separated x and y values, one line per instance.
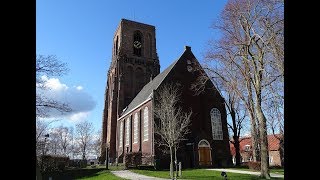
145	124
247	147
135	128
216	124
127	131
121	134
270	160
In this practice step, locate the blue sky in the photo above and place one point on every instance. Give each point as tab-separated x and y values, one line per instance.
80	32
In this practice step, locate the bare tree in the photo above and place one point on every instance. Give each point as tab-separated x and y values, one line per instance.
54	142
96	145
42	129
84	131
251	45
63	137
73	149
48	66
238	116
275	113
235	82
172	124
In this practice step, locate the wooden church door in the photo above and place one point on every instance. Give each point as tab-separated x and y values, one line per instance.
204	150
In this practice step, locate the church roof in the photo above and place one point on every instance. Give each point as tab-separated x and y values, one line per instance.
147	90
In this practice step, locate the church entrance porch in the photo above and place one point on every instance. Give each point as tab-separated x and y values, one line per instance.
204	151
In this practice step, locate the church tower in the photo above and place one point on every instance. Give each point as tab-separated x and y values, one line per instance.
134	63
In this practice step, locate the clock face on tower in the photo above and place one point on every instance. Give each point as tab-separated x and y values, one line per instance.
137	44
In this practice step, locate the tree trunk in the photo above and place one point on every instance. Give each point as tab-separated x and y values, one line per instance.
263	142
103	154
254	140
83	154
175	161
171	163
236	142
237	148
251	109
282	151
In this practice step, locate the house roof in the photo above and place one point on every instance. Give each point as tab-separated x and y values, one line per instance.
147	90
273	143
243	141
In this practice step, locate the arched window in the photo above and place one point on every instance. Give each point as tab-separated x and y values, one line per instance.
145	124
135	128
216	124
128	131
137	43
121	134
203	143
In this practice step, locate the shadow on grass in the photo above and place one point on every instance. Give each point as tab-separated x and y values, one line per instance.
207	177
201	177
72	174
88	176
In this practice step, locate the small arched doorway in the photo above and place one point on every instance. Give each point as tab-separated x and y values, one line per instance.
204	151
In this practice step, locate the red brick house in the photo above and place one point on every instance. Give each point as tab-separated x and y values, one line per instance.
275	155
133	81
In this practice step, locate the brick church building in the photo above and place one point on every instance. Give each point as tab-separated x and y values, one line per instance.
133	79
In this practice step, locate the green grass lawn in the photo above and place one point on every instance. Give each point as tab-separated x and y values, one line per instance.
115	168
102	175
276	171
199	174
186	174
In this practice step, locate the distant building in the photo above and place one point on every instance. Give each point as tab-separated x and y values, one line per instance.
134	79
275	153
93	161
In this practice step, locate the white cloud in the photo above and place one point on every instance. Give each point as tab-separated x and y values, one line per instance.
78	116
54	84
79	87
77	99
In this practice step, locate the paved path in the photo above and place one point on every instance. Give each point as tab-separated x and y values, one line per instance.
134	176
247	172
